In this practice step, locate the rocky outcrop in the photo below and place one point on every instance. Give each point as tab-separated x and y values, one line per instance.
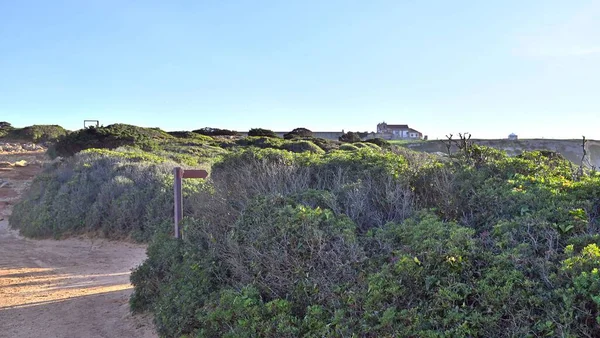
6	147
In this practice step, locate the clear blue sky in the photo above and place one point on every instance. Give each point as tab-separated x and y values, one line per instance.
485	67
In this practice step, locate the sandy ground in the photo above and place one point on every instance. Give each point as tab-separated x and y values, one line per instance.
68	288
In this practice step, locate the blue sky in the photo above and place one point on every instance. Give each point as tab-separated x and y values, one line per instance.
485	67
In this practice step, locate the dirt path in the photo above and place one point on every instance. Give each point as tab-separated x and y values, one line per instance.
68	288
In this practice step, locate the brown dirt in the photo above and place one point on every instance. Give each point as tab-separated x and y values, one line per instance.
68	288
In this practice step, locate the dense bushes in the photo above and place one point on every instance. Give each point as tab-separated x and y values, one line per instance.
296	145
348	147
302	146
367	243
216	132
39	133
302	251
5	128
121	135
110	137
261	132
356	242
114	194
191	136
35	133
350	137
298	132
379	142
108	192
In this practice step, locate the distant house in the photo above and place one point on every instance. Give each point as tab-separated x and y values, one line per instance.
398	132
513	136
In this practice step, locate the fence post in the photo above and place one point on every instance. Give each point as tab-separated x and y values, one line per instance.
178	173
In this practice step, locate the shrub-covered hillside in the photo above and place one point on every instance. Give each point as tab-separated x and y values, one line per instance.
110	137
115	194
313	238
381	244
35	133
116	181
155	140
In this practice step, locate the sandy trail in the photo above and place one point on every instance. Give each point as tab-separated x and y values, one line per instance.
68	288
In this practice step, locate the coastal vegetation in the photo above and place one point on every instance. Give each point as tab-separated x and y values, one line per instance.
305	237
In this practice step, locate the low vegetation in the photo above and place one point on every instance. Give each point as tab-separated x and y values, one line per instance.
216	132
261	132
116	194
35	133
379	142
357	239
298	133
110	137
350	137
115	181
371	243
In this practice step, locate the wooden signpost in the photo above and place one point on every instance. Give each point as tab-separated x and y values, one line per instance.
180	174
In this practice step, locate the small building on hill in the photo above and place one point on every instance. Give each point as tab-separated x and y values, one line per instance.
398	132
513	136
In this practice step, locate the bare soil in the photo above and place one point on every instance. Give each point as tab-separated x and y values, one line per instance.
77	287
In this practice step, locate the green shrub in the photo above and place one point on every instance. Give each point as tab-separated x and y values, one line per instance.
298	132
243	313
367	145
495	236
191	136
325	144
330	243
293	258
583	293
5	128
302	146
216	132
297	144
379	141
369	185
110	137
35	133
350	137
422	277
296	253
113	194
261	132
164	253
261	142
348	147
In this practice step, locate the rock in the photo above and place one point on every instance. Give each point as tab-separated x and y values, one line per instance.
18	147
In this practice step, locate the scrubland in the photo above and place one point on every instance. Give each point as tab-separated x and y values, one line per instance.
314	238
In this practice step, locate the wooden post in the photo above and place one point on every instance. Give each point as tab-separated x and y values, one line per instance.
178	173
